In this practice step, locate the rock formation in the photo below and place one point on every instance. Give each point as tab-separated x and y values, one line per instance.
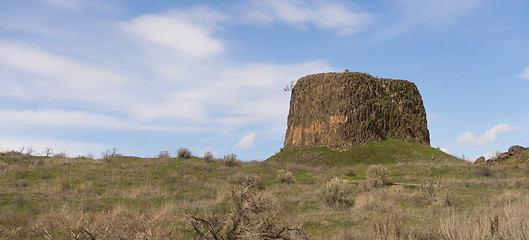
344	109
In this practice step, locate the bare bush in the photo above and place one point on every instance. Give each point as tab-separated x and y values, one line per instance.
184	153
284	176
109	154
208	157
338	192
251	217
60	155
164	154
482	171
251	180
231	160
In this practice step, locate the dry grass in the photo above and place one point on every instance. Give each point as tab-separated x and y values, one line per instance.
162	198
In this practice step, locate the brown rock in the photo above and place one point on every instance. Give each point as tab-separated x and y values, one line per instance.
514	150
480	160
343	109
503	156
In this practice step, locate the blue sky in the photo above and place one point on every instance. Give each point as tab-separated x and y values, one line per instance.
144	76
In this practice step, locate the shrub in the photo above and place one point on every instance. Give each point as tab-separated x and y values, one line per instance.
377	176
337	192
231	160
184	153
208	157
251	217
59	155
285	176
482	171
164	154
251	180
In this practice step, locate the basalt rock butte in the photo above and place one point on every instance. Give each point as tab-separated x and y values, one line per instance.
340	110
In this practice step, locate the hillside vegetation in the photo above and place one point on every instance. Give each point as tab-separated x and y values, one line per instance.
387	190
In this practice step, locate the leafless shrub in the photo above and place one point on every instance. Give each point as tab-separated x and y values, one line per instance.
338	192
252	180
208	157
184	153
482	171
48	152
109	154
164	154
284	176
60	155
376	177
429	190
251	217
3	167
290	87
21	183
231	160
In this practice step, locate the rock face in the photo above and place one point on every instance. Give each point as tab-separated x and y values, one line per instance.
344	109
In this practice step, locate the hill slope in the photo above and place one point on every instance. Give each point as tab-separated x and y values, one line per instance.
390	151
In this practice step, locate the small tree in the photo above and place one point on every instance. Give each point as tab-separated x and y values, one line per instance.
184	153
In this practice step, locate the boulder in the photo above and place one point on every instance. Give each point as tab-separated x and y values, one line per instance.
514	150
480	160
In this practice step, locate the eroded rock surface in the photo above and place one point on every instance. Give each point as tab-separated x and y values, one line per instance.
344	109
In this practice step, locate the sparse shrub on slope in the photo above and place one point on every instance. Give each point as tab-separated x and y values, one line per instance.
251	180
208	157
231	160
164	154
251	217
184	153
284	176
377	176
338	192
482	171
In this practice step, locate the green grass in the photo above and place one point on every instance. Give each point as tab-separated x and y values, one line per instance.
390	151
131	197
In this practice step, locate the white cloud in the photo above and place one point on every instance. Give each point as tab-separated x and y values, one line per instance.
433	13
63	119
52	71
487	136
246	142
327	14
525	73
65	4
188	32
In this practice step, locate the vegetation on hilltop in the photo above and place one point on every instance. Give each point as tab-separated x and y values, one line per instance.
410	196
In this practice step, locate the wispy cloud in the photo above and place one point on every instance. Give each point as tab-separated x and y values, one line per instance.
327	14
433	13
74	119
188	32
525	73
54	72
246	142
487	136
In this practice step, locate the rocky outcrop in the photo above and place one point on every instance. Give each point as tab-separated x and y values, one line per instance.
515	152
344	109
480	160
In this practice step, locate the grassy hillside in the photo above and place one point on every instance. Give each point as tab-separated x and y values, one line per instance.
390	151
419	193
